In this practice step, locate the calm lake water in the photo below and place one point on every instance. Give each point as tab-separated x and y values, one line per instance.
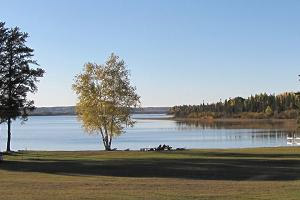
65	133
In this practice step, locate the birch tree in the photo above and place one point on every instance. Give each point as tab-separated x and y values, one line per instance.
105	99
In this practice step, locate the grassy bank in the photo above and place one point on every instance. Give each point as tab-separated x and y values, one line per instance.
260	173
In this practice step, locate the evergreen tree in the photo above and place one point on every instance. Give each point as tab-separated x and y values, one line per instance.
17	77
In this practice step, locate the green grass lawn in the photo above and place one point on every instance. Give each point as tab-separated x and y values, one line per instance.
260	173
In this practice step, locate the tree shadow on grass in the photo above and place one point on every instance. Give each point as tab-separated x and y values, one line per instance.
194	168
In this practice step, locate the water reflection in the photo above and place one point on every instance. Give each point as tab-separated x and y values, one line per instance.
254	124
255	131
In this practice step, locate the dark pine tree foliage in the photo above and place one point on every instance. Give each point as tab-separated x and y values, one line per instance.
3	37
17	77
257	106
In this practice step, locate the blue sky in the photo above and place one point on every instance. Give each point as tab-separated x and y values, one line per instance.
178	52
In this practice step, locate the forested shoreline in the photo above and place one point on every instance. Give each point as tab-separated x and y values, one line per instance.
259	106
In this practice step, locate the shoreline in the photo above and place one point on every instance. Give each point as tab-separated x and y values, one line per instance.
166	151
170	117
135	150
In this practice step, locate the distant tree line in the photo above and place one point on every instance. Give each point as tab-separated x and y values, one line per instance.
258	106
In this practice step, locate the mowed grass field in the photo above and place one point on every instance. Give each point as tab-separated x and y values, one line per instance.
259	173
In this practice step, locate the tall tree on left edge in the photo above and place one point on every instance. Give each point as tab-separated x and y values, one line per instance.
17	77
3	36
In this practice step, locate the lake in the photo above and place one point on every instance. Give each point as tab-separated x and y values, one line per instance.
66	133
